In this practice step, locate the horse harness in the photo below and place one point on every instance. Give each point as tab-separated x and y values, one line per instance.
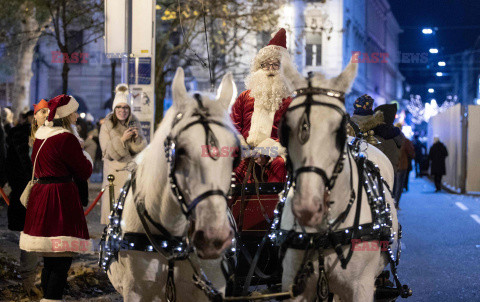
369	179
173	248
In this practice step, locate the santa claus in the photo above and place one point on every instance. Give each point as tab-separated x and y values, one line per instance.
257	112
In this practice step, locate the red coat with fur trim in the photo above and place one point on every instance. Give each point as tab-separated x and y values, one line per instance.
242	112
261	132
55	221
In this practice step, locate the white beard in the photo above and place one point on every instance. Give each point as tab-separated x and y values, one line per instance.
268	91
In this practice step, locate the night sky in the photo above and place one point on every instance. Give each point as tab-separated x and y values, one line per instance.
458	23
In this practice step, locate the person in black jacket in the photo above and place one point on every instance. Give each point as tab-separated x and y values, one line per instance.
380	121
19	170
437	155
420	155
3	154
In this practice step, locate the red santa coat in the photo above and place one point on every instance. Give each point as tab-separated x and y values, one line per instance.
55	221
259	128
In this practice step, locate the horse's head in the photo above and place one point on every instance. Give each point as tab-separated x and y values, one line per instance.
314	131
200	148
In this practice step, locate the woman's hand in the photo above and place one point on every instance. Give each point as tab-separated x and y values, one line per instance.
262	160
135	131
127	135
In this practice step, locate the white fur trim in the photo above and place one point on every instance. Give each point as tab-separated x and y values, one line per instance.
271	143
45	132
88	157
261	125
56	244
50	300
66	110
267	53
242	140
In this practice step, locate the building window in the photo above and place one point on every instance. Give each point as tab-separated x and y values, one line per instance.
313	49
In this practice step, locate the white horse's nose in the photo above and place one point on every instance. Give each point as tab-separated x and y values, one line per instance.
210	243
308	209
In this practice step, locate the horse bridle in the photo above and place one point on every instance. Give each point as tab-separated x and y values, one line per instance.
304	132
203	118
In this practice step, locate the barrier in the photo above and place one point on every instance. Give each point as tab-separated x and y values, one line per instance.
111	187
90	208
5	197
458	129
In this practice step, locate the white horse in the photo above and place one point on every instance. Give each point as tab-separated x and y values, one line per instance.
306	203
142	276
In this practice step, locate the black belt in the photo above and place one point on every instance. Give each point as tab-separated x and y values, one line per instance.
140	242
302	241
54	180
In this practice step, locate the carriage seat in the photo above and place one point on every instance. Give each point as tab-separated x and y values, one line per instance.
255	207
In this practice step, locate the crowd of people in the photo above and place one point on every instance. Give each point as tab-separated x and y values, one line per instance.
52	149
47	158
400	150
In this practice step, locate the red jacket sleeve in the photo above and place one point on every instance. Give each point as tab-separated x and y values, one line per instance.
76	162
237	112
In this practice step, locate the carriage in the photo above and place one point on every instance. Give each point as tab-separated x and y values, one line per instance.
256	212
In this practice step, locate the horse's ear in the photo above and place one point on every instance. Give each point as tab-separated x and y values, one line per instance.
227	91
345	80
179	92
291	72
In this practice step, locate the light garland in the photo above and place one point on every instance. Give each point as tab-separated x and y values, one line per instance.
423	112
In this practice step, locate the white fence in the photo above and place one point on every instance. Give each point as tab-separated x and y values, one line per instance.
461	135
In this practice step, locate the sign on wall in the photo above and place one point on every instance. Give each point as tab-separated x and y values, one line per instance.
115	28
130	30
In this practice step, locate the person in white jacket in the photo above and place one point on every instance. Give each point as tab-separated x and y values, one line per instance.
120	140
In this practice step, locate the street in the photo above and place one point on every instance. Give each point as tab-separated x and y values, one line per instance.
441	244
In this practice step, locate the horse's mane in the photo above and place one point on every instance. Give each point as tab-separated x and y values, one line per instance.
152	178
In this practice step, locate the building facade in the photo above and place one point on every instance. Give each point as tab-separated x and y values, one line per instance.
323	35
89	79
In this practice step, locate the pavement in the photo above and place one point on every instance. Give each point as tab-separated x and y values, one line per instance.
87	282
441	244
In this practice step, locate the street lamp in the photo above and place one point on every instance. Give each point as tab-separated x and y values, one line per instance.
433	50
439	74
427	31
431	90
442	63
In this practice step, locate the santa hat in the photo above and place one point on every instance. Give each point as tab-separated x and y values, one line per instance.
41	105
121	95
61	106
276	49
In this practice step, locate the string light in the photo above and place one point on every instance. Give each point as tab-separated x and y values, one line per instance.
423	112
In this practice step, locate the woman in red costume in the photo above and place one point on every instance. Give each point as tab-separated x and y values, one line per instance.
55	225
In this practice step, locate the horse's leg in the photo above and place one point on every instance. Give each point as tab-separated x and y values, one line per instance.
186	290
291	264
142	276
357	282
